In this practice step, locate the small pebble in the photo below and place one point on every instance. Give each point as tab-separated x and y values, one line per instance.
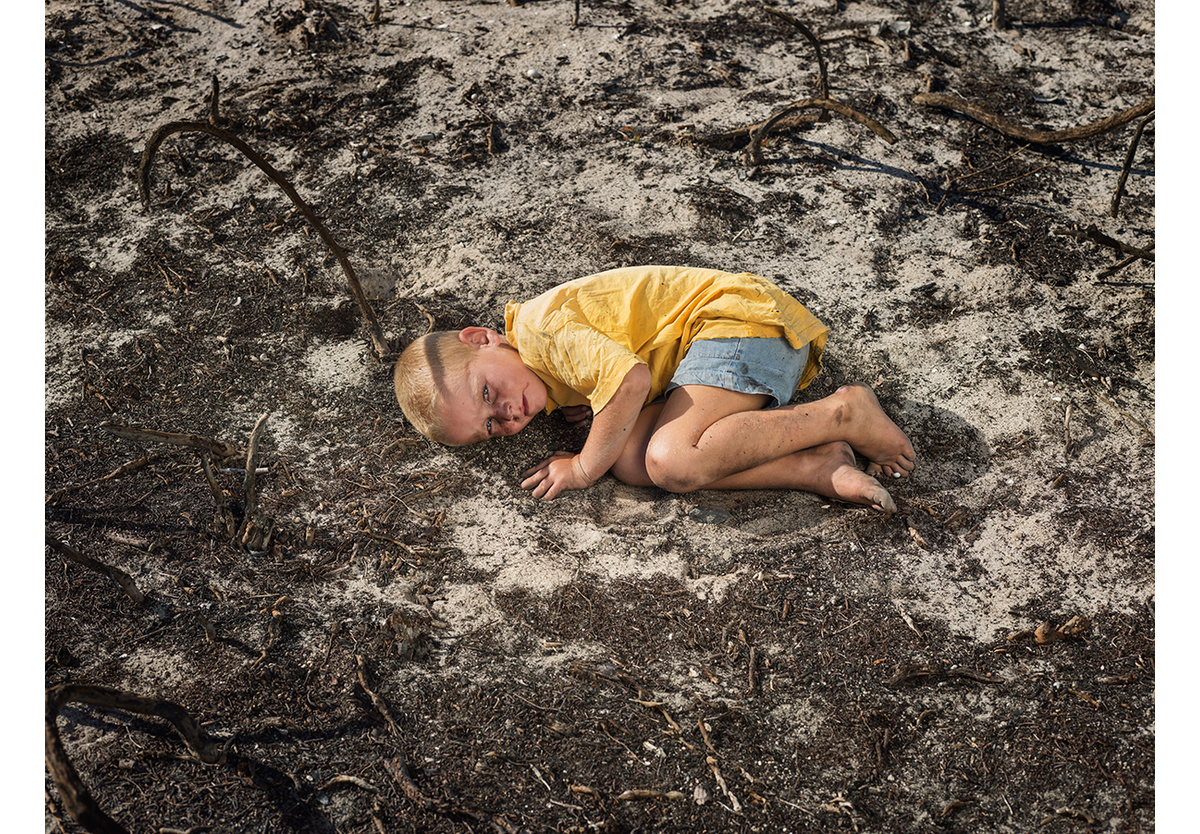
895	474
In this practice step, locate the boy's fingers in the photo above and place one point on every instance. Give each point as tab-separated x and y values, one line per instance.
546	490
577	414
538	479
541	466
533	477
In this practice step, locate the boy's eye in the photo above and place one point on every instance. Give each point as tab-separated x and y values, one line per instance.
489	426
485	393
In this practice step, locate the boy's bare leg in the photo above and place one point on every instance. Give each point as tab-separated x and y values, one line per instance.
829	470
705	434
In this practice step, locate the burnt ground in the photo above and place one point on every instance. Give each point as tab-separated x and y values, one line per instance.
619	660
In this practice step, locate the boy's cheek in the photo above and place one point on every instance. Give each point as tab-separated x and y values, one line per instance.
511	428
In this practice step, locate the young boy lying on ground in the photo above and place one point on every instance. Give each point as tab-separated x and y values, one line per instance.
686	375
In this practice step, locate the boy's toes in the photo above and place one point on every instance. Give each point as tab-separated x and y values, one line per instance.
899	468
877	497
882	471
884	503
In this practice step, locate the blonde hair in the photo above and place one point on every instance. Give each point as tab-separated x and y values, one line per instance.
421	376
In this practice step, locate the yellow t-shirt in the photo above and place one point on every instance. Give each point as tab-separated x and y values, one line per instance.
582	337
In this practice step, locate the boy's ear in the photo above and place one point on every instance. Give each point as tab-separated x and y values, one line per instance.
479	336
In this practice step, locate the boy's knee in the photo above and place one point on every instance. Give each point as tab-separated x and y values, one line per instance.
668	470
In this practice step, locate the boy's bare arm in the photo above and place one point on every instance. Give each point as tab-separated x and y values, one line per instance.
613	425
611	429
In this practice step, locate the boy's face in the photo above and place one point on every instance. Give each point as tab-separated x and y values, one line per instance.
497	395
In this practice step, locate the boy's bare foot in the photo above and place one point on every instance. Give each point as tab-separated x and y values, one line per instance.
873	434
839	477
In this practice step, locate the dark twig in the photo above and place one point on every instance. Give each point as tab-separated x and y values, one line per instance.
948	192
493	132
379	343
75	795
128	466
793	115
823	76
274	629
208	447
1137	137
1007	181
1037	137
124	580
822	102
379	703
1091	233
925	673
753	153
214	105
1108	272
999	16
397	766
730	139
220	448
256	528
218	494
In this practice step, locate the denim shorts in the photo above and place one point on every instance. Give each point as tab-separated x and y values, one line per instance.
747	365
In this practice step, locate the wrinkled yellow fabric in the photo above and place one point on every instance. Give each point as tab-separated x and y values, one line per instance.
582	337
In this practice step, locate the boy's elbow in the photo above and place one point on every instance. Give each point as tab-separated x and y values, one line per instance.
638	378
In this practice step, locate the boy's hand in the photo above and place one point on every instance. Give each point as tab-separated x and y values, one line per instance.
556	474
576	413
611	430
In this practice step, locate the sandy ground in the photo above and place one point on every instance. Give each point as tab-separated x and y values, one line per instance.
466	153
